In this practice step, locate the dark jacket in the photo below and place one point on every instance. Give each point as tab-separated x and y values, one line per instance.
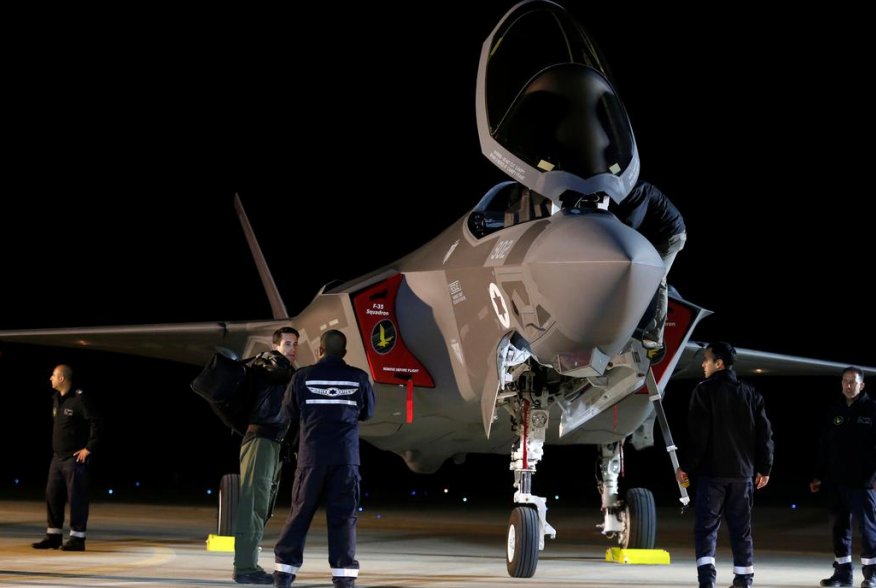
729	434
271	372
328	400
77	424
847	453
650	212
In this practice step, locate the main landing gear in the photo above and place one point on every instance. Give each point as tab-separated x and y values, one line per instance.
632	521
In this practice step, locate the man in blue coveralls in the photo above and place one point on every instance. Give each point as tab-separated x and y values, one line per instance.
731	443
328	399
848	461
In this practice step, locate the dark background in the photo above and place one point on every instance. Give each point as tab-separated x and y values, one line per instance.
124	145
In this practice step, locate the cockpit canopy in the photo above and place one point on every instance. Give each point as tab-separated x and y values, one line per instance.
548	114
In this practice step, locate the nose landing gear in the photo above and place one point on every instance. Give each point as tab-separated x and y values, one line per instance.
528	524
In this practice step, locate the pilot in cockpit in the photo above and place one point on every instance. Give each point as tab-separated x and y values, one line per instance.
647	210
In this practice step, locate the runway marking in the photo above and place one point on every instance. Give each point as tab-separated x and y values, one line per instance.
159	556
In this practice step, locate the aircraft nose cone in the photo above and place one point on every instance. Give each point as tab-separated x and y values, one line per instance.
594	278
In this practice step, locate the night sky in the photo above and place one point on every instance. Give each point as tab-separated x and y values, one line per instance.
124	149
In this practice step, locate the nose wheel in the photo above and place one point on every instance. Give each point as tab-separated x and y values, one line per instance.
523	540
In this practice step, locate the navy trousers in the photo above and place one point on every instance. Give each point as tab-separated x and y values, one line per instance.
67	479
731	498
847	503
337	487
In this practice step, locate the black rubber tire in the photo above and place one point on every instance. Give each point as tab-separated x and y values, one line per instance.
641	519
522	546
229	494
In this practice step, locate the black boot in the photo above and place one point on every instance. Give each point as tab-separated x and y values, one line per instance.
343	582
74	544
742	580
283	580
50	541
869	577
706	575
842	575
253	577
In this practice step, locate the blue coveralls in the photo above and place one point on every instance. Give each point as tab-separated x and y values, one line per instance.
847	460
328	399
76	426
730	439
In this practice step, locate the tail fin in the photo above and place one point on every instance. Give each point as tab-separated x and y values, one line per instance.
278	308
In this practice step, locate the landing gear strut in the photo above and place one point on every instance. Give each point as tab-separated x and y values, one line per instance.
528	524
633	521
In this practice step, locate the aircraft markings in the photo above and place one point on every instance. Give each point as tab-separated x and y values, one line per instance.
503	315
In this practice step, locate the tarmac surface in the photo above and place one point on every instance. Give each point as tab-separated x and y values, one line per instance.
164	546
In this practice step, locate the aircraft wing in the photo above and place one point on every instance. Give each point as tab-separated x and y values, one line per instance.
184	342
750	362
194	343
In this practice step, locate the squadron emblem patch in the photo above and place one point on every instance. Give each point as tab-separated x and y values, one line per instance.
383	336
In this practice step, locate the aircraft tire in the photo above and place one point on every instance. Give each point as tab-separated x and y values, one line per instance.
641	515
522	553
229	494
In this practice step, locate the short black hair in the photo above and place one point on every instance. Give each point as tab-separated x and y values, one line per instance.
66	371
855	370
723	351
278	334
334	343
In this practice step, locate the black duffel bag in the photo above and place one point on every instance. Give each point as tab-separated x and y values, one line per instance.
226	385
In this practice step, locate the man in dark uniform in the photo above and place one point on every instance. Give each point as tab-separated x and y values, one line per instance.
260	465
327	400
847	457
75	435
650	212
731	441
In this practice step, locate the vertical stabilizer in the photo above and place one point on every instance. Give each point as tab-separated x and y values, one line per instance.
277	307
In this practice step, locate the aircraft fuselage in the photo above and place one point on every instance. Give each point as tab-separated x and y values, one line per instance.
573	286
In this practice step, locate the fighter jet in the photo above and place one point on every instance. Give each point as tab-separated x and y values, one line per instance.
523	313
